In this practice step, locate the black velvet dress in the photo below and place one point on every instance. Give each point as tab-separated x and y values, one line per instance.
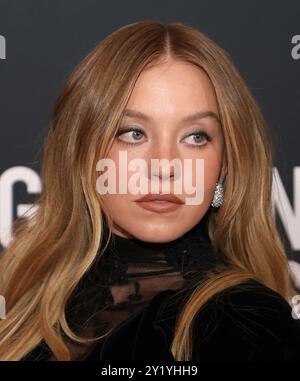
135	290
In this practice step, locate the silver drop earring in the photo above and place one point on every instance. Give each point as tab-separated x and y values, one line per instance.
218	195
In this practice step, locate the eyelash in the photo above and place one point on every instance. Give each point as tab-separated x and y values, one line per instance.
124	130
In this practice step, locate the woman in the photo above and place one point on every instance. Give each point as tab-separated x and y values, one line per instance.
93	275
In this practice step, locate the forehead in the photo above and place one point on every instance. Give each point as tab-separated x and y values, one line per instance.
173	89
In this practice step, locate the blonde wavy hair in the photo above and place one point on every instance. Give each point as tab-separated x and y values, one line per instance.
56	245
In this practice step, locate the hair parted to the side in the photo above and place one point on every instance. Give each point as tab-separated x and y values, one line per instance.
56	245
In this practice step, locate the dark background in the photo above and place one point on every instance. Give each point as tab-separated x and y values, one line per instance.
46	39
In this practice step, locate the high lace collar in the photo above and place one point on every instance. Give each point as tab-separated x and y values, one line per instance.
191	252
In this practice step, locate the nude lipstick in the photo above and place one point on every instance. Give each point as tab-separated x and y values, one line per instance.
159	203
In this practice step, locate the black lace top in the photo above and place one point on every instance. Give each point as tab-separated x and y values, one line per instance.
126	276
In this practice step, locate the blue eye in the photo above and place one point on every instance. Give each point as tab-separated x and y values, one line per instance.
133	133
198	137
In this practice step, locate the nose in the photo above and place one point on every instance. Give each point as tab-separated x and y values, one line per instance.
164	151
163	171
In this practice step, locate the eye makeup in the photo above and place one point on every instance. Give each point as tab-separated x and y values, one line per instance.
196	132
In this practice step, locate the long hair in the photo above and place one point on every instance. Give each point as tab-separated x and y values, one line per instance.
56	244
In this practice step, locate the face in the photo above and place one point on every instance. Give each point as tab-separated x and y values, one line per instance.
160	122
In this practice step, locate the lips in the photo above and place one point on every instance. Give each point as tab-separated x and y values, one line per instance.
160	203
160	197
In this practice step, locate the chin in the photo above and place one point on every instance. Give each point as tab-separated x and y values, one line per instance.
158	235
155	239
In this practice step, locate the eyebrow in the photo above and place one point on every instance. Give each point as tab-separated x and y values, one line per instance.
190	118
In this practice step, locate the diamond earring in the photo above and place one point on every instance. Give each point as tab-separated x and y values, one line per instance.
218	195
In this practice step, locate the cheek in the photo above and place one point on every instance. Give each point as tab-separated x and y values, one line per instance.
116	204
114	156
211	174
212	163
